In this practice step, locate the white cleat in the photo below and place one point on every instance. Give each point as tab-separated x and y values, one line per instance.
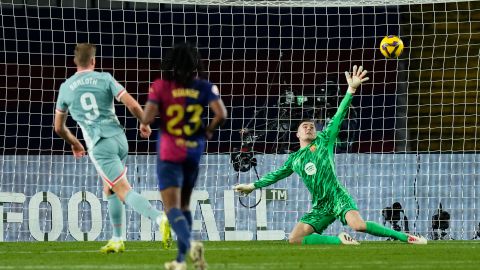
197	254
174	265
347	239
417	240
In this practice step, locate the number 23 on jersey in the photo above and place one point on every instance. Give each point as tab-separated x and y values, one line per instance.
177	112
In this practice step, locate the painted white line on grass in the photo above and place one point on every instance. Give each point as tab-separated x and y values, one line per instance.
146	250
79	251
473	244
135	250
84	266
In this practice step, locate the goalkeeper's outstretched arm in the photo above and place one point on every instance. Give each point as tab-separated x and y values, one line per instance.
354	81
267	180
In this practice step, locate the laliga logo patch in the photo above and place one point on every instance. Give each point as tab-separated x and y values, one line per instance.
310	168
313	148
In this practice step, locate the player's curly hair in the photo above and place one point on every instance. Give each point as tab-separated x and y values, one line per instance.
181	64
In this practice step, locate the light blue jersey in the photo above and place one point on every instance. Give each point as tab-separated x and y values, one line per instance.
88	96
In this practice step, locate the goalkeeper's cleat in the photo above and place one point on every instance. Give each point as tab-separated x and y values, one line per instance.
417	240
166	232
174	265
197	254
346	239
113	247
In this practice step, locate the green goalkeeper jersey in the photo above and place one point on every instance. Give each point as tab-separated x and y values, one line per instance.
88	96
315	164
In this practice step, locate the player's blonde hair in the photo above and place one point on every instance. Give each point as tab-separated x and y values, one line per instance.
83	53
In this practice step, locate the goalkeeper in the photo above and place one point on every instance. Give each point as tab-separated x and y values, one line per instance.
315	164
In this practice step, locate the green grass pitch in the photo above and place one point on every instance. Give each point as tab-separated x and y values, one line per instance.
275	255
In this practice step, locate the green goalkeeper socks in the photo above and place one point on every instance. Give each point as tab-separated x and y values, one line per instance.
317	239
141	205
115	212
379	230
372	228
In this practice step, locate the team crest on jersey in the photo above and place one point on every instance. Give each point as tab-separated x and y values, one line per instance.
310	168
313	148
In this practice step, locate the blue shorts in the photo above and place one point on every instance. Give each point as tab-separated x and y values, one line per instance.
171	174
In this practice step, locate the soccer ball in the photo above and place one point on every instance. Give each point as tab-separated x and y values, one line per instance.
391	46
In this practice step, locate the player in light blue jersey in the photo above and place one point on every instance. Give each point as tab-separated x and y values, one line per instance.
88	96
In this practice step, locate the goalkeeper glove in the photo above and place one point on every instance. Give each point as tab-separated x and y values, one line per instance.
244	188
356	78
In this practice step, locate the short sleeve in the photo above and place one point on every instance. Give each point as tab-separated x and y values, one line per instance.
213	93
153	95
61	103
117	89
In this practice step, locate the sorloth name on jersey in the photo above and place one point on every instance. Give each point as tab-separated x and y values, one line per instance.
82	81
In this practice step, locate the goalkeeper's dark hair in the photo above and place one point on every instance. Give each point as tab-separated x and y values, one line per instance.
307	120
182	64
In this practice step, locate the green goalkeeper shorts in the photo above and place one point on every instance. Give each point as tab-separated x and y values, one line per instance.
318	221
320	218
109	156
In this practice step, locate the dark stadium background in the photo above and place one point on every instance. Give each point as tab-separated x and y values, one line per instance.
36	47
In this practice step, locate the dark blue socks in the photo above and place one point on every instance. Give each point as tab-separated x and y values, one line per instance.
179	224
